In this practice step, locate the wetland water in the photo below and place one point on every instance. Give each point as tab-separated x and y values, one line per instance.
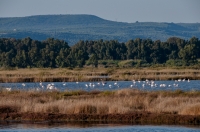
13	127
185	85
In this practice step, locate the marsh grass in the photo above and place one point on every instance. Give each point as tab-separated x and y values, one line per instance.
85	74
101	102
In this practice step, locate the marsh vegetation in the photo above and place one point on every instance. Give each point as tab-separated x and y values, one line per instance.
96	74
119	102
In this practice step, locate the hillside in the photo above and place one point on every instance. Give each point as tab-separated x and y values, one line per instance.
73	28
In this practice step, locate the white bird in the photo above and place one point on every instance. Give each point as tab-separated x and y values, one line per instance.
40	83
37	89
162	85
103	83
8	89
93	85
110	85
51	86
23	84
175	85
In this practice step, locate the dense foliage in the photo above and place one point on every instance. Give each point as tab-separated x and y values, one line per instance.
23	53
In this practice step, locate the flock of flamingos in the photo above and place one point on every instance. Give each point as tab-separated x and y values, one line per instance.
103	84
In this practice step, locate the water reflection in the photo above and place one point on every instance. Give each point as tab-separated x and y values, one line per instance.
8	125
44	125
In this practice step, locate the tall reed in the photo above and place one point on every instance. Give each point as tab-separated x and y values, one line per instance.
101	102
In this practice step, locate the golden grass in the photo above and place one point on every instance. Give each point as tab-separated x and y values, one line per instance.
88	74
102	102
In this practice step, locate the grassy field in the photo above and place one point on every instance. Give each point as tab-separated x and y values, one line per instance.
101	102
95	74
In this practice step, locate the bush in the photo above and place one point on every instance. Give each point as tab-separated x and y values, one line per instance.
175	63
126	63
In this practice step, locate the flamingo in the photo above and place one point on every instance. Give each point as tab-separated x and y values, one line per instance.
51	86
93	85
162	85
40	83
175	85
143	85
8	89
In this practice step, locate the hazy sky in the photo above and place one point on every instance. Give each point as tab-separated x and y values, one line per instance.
186	11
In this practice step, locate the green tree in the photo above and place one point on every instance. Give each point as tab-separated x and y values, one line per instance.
20	59
189	54
93	60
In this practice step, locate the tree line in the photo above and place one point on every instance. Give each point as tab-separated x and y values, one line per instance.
26	52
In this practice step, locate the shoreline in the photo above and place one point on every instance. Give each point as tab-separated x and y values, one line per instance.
133	118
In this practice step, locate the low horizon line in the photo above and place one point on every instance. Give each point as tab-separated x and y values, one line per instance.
95	16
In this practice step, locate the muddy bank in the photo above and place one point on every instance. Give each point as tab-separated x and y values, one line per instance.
134	117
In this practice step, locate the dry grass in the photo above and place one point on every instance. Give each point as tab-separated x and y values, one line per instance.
106	102
88	74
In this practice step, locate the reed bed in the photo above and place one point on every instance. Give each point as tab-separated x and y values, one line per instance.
101	102
95	74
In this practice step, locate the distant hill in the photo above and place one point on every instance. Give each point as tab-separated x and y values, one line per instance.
73	28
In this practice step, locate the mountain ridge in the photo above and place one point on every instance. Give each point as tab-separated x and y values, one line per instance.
73	28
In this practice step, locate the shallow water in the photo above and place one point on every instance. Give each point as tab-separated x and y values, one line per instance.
184	85
22	127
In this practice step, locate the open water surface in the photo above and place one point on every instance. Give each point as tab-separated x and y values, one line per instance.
94	128
185	85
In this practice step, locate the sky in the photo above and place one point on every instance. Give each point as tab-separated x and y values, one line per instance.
177	11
